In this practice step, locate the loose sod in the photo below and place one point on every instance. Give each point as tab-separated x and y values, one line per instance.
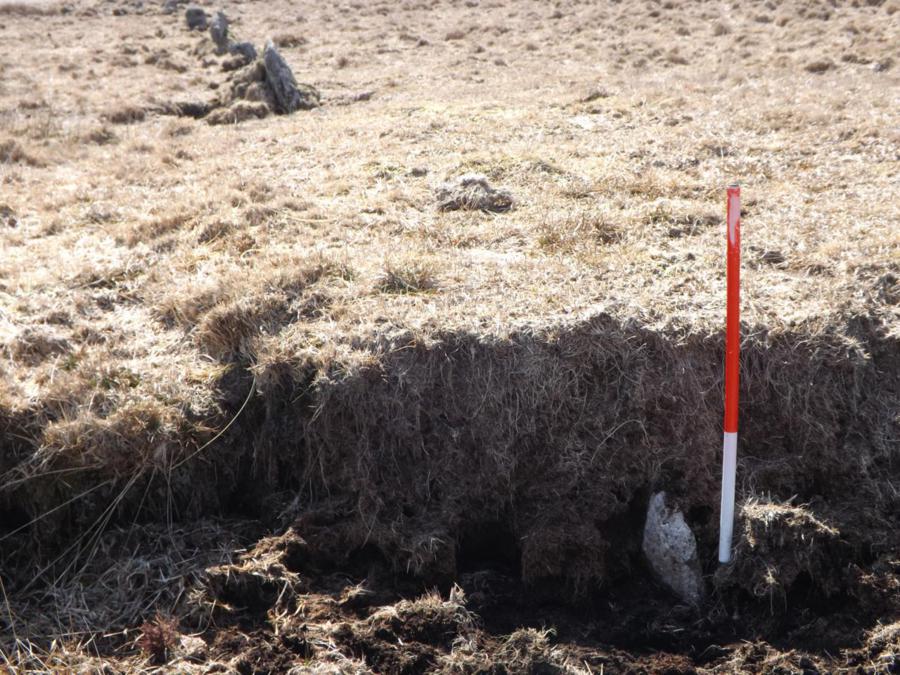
732	371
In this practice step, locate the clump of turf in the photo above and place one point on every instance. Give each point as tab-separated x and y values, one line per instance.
429	618
472	192
777	543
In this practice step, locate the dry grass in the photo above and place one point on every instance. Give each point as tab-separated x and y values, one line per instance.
12	152
304	284
14	8
406	276
132	576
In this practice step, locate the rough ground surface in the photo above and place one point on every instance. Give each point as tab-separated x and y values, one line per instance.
267	406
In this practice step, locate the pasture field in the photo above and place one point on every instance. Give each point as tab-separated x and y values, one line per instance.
386	384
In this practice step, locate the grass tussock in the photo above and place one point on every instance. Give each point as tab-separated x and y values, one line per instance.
406	276
232	329
102	135
125	114
148	231
34	345
12	152
579	231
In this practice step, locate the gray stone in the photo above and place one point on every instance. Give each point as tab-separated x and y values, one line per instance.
671	550
246	50
218	31
195	17
288	95
170	6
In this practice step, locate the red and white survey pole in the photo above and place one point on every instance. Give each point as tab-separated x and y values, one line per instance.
732	371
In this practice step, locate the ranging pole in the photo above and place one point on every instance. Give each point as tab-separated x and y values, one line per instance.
732	371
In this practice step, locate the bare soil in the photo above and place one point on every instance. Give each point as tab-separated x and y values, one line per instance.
385	385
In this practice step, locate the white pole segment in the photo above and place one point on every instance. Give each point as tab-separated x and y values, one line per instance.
726	518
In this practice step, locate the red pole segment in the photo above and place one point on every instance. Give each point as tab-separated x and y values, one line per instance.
733	317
